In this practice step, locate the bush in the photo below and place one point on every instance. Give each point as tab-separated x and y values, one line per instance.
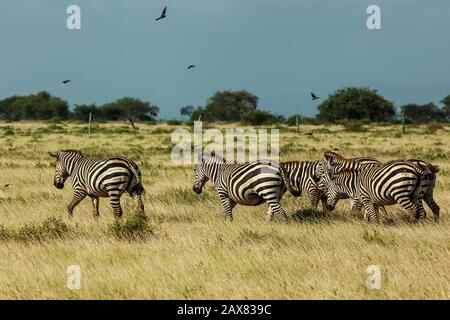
137	227
433	127
259	117
355	126
51	228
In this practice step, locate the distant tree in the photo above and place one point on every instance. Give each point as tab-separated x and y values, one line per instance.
423	113
259	117
187	111
355	104
82	111
446	107
227	106
40	106
130	109
7	110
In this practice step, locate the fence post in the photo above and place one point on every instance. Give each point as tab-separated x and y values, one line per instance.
90	122
403	123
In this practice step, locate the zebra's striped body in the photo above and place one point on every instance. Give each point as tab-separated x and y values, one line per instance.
337	163
386	184
96	178
302	177
247	184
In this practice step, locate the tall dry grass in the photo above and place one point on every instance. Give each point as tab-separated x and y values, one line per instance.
187	250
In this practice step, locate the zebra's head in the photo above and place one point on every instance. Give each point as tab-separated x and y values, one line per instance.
64	165
204	168
326	185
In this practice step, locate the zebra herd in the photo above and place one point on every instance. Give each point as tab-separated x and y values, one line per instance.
367	182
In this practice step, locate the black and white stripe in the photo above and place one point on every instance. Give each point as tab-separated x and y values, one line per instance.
247	184
94	177
386	184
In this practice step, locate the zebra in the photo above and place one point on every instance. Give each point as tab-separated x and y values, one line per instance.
302	178
394	182
94	177
337	162
249	184
305	175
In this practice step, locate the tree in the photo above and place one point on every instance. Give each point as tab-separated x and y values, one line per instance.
82	111
446	107
187	111
259	117
227	106
130	109
40	106
355	104
423	113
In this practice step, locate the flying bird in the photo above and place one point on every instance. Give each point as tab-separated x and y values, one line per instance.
314	97
163	14
191	66
66	81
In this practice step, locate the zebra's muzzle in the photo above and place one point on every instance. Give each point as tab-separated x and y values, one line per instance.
197	190
59	185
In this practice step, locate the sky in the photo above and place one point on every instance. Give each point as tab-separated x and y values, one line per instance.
280	50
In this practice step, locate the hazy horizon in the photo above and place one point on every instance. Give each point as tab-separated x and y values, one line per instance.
278	50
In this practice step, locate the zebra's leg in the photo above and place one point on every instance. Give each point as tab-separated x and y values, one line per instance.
370	213
114	199
313	197
381	210
412	208
421	213
269	215
138	203
432	205
95	202
324	204
78	196
275	207
228	206
355	205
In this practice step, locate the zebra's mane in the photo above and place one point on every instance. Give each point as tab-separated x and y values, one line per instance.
72	151
215	157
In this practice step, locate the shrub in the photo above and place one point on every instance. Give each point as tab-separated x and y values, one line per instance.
433	127
8	131
137	227
259	117
355	126
51	228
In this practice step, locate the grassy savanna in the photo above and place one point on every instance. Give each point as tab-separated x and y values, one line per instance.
187	250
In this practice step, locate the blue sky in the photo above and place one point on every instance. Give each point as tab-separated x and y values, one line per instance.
279	50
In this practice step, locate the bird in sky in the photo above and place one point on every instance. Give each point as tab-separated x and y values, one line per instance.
191	66
66	81
163	14
314	97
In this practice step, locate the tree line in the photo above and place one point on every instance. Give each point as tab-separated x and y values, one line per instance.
44	106
347	104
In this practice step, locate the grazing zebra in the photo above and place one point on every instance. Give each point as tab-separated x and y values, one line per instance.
94	177
305	175
247	184
302	178
337	163
395	182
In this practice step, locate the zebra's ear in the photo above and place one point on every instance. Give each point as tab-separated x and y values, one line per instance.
53	154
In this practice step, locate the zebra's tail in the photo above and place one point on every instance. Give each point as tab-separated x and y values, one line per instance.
287	181
137	187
